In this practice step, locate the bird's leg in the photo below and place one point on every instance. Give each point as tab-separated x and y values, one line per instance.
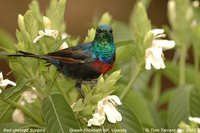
91	82
79	88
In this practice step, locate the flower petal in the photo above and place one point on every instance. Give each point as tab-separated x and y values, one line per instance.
1	76
0	91
96	120
64	46
115	99
112	114
37	38
148	62
164	44
46	32
6	82
29	96
18	116
195	119
51	33
156	32
154	57
64	35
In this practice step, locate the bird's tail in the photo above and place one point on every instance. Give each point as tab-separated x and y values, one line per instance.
27	54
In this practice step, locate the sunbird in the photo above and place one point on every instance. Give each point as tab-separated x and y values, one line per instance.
83	62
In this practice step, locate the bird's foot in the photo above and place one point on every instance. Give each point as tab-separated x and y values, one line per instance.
91	82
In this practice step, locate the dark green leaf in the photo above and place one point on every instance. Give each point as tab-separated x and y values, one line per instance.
136	102
179	106
129	120
195	103
172	72
58	114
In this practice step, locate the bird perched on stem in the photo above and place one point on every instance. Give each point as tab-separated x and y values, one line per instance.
83	62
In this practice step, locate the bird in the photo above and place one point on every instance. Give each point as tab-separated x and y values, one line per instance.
83	62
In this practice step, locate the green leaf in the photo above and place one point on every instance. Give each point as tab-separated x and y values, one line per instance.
137	103
195	103
179	106
90	36
125	53
7	42
21	83
79	106
172	72
31	22
105	19
58	114
56	13
139	21
13	93
34	6
129	122
146	3
6	111
165	97
106	87
121	32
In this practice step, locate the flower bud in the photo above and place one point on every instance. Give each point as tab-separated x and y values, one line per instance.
21	22
46	22
172	11
148	39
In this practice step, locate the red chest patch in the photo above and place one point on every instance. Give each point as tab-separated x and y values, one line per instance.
101	67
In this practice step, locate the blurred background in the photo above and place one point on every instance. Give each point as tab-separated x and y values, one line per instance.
80	14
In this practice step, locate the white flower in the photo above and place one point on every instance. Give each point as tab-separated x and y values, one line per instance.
154	55
195	3
195	119
18	116
5	82
106	108
46	32
64	45
27	97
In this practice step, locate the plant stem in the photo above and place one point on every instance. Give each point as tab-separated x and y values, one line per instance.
128	87
196	63
25	110
182	63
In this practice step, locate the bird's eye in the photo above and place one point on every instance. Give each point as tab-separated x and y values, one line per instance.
110	31
99	30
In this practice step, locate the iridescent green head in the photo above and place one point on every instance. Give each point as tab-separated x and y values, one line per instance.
103	44
104	34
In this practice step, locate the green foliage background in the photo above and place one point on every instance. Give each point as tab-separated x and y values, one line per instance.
142	107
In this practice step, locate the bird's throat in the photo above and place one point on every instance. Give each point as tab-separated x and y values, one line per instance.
105	50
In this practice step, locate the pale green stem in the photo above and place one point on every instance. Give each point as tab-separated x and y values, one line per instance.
196	64
129	86
182	63
25	110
